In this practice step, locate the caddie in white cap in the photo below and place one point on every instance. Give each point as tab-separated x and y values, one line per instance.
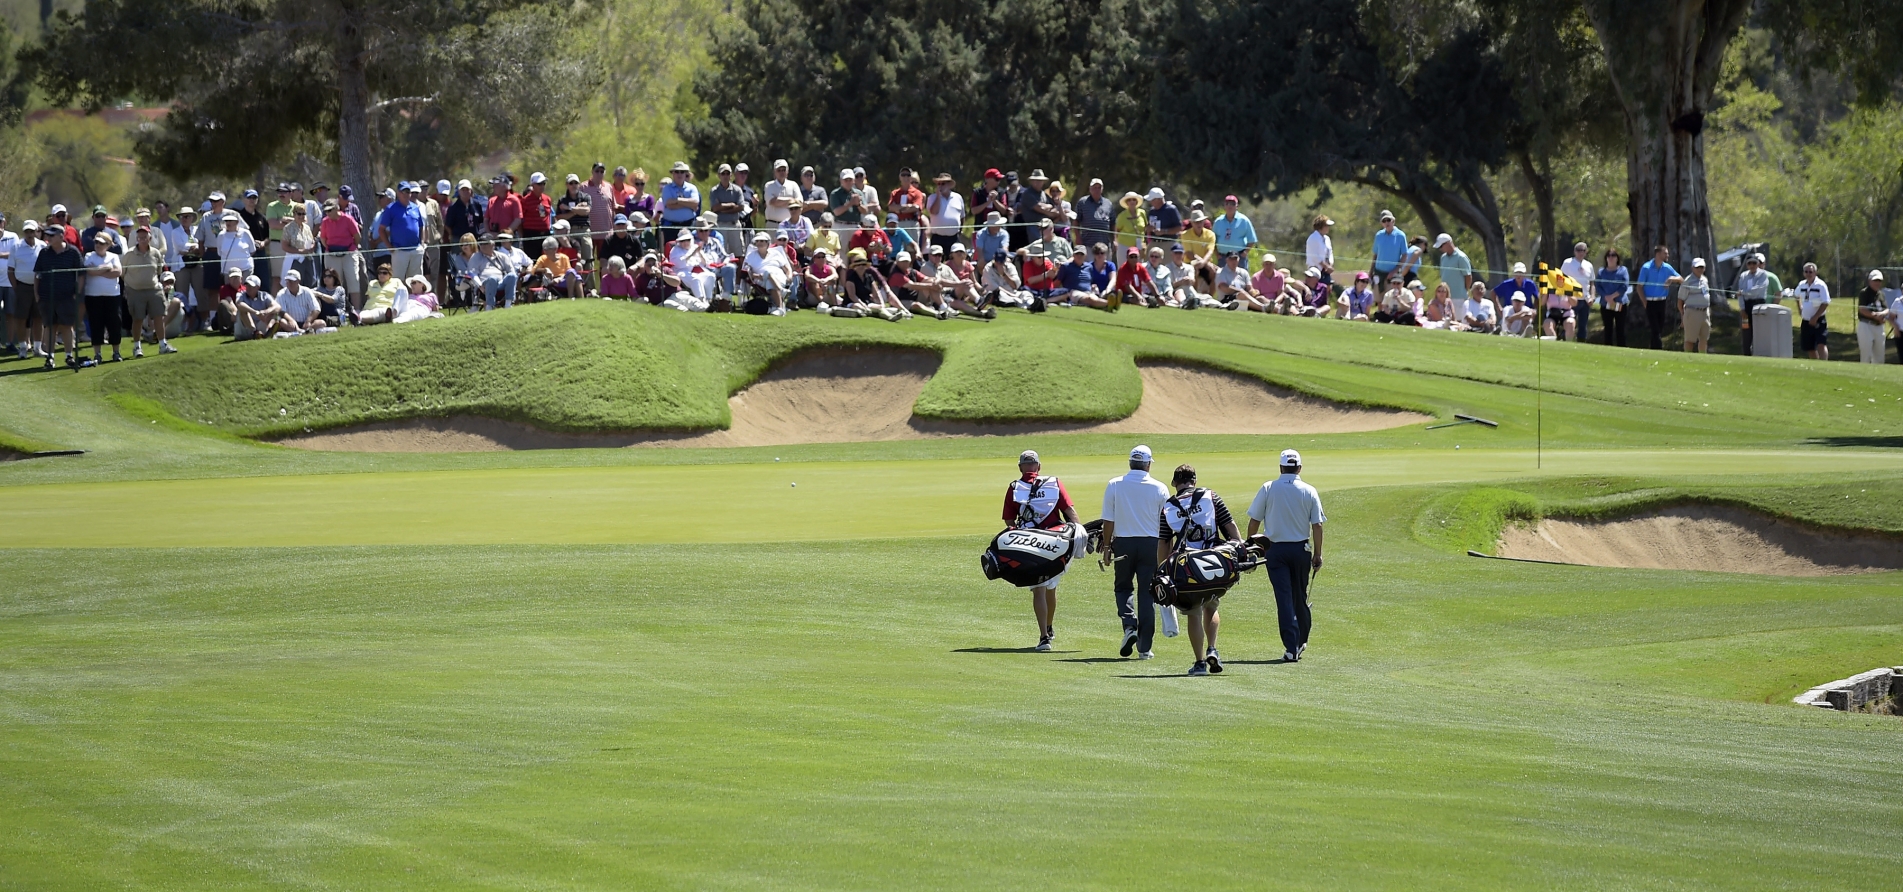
1132	509
1034	501
1288	513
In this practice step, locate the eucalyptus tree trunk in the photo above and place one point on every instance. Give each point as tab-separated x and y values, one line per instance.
1539	179
1664	57
353	113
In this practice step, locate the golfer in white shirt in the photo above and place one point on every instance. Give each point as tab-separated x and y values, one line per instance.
1289	512
1132	505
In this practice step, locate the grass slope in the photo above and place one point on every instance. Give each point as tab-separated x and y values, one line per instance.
597	366
621	717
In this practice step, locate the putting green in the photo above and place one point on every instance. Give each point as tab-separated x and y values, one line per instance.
738	502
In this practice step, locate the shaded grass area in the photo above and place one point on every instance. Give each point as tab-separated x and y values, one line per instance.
617	717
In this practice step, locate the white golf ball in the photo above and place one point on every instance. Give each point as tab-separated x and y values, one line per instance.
796	484
1456	445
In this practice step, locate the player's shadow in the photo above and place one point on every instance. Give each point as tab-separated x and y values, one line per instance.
1008	650
1275	662
1095	659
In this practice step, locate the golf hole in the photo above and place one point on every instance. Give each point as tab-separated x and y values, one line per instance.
1715	538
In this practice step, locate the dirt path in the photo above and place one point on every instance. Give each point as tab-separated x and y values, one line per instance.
1704	537
857	396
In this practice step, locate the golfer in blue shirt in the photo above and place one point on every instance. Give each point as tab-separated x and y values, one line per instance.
1289	512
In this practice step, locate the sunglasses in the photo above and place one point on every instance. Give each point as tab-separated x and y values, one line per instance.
640	182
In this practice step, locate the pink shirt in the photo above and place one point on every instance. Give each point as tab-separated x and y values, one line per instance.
339	232
617	286
1270	284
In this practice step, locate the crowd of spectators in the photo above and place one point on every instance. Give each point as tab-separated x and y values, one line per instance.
309	262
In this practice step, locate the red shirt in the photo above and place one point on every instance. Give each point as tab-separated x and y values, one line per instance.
907	210
538	213
900	280
1039	272
1050	521
1133	278
504	212
867	239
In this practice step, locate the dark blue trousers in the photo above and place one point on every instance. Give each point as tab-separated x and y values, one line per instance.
1136	604
1288	566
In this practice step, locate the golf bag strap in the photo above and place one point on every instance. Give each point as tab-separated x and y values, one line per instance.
1190	526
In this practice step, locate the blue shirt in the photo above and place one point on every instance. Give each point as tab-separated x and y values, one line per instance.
1529	287
1100	277
1612	284
1652	276
1389	249
685	191
1233	235
989	244
404	222
1074	276
902	241
1167	217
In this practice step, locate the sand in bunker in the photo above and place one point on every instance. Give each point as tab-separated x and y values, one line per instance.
1704	537
858	396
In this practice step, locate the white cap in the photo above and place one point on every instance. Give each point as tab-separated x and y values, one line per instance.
779	164
1521	267
1443	239
1028	456
442	187
1876	275
959	248
537	177
1698	261
845	173
1141	453
57	210
761	236
291	275
253	281
902	257
1312	272
1291	459
463	184
1155	194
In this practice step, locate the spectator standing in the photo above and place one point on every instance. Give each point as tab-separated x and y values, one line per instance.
1518	283
255	222
990	196
145	299
8	241
1028	205
818	204
749	199
1455	269
538	213
24	321
1813	300
1871	313
1096	218
236	246
504	211
1694	308
868	196
1656	278
944	214
633	195
1132	225
1166	219
338	233
1613	285
59	271
1132	505
1754	286
1410	269
276	211
1234	233
400	226
1896	320
575	209
907	203
847	203
467	215
103	271
602	207
1390	248
781	197
729	205
1321	249
1199	246
1579	267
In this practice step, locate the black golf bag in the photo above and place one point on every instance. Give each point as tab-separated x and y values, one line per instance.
1032	557
1193	577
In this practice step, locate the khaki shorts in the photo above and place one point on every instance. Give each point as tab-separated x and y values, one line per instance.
1698	324
145	303
345	265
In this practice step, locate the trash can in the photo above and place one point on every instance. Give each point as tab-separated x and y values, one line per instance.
1771	333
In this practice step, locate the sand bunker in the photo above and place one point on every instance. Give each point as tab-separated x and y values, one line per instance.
1704	537
858	396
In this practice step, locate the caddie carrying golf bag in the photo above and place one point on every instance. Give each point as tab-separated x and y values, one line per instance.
1033	557
1202	568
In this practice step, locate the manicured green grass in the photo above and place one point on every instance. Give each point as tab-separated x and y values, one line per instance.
856	715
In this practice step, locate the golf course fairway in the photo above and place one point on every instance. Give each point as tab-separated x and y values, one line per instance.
230	665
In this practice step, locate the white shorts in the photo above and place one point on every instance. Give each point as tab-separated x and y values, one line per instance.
1051	583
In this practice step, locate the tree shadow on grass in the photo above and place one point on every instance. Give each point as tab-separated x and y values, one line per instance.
1857	442
1008	650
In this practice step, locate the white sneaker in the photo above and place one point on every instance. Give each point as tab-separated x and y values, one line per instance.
776	311
138	351
166	346
1289	656
1147	655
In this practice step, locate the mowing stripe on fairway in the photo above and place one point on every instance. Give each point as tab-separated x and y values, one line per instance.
734	503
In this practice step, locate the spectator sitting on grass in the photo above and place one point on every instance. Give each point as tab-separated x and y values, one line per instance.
1356	301
1040	274
257	314
1476	312
688	260
915	290
824	236
1519	284
1441	312
769	270
1397	304
418	302
1272	284
1518	319
379	297
1160	275
1199	249
871	239
1056	248
1183	281
899	237
1235	288
822	279
616	281
960	278
1074	286
1002	284
300	304
1133	284
652	282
